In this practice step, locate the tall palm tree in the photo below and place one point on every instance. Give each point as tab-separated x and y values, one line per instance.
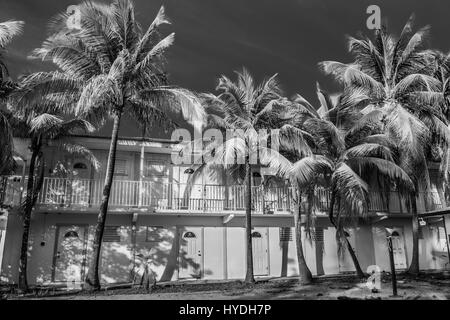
107	68
8	30
44	124
303	176
351	152
390	83
248	111
303	170
442	99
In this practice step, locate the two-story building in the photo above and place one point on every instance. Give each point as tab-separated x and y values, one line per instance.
187	231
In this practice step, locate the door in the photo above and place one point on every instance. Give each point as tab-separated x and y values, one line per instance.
191	253
81	185
260	252
345	259
398	248
70	254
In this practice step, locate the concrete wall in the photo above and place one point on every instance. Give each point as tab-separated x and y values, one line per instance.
219	250
380	242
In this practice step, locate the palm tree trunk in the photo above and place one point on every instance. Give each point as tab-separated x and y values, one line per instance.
92	281
304	273
319	257
414	267
26	217
249	277
358	269
284	258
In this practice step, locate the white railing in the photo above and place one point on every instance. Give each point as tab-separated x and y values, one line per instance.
162	196
81	194
385	202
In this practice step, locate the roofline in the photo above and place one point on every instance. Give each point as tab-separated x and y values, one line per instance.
435	213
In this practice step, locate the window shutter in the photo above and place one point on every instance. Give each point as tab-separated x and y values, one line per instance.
111	234
121	167
317	234
285	234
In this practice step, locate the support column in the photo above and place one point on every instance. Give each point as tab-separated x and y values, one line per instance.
141	175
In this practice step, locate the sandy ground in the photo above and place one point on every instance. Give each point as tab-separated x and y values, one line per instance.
429	287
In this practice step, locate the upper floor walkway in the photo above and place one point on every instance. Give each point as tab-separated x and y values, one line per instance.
60	194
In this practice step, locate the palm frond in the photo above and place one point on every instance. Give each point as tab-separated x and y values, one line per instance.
179	100
8	30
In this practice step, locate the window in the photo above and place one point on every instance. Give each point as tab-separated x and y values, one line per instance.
111	234
189	234
80	165
71	234
121	168
256	234
317	235
154	168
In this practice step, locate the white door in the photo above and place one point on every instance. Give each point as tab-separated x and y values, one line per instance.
191	253
398	248
70	254
345	259
260	252
80	186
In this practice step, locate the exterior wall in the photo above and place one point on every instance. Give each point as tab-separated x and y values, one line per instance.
330	252
11	253
364	246
219	250
433	252
380	242
157	166
222	248
280	260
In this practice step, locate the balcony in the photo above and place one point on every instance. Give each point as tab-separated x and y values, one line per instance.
60	194
66	194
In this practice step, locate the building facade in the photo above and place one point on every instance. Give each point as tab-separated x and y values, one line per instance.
189	231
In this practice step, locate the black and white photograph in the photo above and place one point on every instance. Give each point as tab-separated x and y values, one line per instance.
198	151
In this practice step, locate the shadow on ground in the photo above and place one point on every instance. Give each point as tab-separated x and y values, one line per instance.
425	287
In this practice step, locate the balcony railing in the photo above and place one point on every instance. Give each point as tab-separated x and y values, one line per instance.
386	202
79	194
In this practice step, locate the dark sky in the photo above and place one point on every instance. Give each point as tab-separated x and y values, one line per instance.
215	37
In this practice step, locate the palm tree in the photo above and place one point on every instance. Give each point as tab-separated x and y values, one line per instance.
248	111
44	124
441	153
304	171
303	176
8	30
351	152
109	68
390	83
